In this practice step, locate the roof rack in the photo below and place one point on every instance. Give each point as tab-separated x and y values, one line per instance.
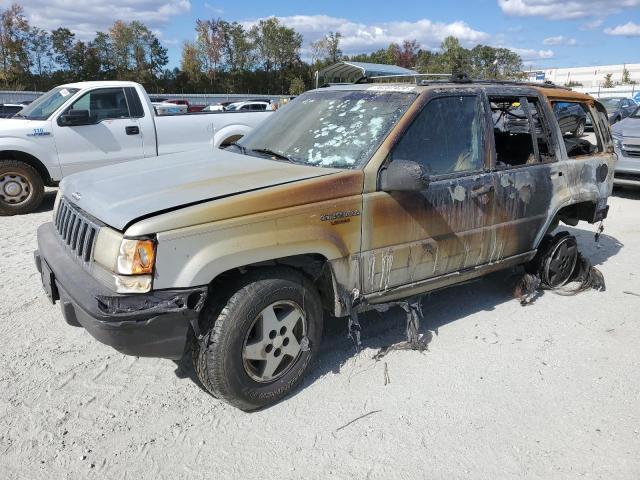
400	76
436	78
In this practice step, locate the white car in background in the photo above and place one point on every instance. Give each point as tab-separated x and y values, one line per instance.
249	105
80	126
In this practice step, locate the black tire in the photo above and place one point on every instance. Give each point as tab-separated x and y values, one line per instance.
579	131
17	175
218	357
550	276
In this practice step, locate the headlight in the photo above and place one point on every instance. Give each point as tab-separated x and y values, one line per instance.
617	141
136	257
137	284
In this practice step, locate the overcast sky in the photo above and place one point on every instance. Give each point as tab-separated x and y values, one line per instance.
546	33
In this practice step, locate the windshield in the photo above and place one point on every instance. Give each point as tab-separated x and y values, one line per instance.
610	103
330	128
44	106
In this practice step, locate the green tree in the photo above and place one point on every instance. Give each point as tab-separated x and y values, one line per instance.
626	77
277	48
210	42
327	49
191	64
456	58
608	81
39	47
297	86
14	54
103	47
63	40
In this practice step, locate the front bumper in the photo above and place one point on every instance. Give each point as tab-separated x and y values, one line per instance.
155	324
627	170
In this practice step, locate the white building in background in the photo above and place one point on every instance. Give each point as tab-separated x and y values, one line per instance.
589	77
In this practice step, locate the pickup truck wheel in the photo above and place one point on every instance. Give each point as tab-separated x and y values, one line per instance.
21	188
257	349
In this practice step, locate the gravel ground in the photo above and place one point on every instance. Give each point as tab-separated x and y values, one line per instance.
551	390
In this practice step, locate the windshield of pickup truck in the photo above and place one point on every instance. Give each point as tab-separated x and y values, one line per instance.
44	106
611	104
329	128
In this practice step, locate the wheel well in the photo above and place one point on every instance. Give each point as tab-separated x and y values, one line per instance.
572	214
228	141
28	159
313	266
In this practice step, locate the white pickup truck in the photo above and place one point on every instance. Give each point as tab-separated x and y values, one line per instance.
85	125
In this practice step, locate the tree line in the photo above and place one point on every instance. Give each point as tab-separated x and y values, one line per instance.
224	57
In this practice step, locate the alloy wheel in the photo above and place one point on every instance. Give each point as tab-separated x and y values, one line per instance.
274	341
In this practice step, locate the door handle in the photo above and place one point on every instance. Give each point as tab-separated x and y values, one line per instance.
133	130
481	190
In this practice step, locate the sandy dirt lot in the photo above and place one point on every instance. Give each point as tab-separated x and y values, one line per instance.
547	391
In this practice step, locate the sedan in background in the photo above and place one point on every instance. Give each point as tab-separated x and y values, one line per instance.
249	105
618	108
626	139
8	110
571	118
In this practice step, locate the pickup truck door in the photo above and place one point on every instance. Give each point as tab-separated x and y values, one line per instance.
112	134
411	236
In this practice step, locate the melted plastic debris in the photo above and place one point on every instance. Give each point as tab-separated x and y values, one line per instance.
583	277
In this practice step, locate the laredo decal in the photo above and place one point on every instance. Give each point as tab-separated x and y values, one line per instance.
339	217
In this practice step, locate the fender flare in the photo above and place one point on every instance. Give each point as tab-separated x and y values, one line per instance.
591	196
19	150
238	129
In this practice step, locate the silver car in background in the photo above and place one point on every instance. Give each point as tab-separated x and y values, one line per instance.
626	136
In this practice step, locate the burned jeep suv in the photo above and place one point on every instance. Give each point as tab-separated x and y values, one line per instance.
349	197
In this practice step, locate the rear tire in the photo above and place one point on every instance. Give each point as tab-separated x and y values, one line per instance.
579	131
21	188
244	361
556	259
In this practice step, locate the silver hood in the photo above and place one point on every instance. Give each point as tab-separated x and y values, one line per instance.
627	128
119	194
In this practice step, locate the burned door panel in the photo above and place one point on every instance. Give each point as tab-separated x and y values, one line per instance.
410	236
523	198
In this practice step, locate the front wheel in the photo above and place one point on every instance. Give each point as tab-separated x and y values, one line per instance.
579	131
258	347
21	188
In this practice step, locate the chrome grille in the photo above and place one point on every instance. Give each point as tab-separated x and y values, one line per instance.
629	150
76	230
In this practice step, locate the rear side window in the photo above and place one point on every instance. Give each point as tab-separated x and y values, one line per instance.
446	137
135	105
577	127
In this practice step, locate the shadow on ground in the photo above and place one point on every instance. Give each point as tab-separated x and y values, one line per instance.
632	193
47	202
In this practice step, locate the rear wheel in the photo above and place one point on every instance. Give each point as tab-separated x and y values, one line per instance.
579	131
556	259
258	347
21	188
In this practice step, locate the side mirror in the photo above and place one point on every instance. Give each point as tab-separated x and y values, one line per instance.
404	176
75	117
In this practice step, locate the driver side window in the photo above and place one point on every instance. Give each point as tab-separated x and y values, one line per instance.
446	137
103	104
